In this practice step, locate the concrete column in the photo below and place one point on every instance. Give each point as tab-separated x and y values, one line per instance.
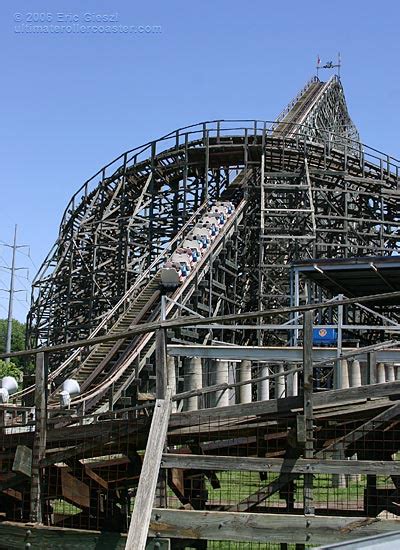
381	375
171	375
355	374
244	374
354	478
397	370
390	377
280	390
222	377
292	384
341	375
193	380
345	374
263	386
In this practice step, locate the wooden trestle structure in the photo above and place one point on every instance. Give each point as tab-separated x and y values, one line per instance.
208	418
296	450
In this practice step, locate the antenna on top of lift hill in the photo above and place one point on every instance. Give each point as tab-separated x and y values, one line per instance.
329	65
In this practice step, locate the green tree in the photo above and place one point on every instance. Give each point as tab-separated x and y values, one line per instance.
10	369
17	339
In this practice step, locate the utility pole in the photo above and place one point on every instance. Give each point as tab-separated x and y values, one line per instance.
12	290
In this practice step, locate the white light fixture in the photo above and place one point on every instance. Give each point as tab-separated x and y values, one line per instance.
69	388
9	385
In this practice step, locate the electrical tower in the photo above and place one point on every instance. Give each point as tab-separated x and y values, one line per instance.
11	290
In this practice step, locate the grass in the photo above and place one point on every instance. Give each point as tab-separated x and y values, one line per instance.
65	508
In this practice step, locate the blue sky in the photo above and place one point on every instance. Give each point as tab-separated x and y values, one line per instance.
72	102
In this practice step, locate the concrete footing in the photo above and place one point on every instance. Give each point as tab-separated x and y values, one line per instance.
193	380
244	372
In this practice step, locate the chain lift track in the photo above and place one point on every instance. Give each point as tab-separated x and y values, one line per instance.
303	187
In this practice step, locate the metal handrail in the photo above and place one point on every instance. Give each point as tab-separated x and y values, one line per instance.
259	126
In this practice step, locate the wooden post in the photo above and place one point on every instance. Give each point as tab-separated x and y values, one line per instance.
308	407
161	388
39	442
372	378
161	364
140	520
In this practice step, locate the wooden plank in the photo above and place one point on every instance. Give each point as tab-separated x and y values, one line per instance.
248	527
259	496
161	364
96	439
15	536
23	460
280	465
14	494
194	320
39	442
287	405
74	490
371	365
140	520
99	480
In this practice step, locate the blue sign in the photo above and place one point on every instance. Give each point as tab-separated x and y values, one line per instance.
324	336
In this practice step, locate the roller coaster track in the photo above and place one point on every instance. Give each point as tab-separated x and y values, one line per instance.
109	363
110	368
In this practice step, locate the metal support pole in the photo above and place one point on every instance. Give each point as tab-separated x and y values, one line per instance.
338	378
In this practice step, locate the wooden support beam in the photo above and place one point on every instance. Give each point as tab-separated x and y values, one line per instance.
371	363
140	520
39	444
248	527
373	424
193	320
308	408
280	465
286	406
15	536
105	436
19	535
256	498
75	491
344	442
161	363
